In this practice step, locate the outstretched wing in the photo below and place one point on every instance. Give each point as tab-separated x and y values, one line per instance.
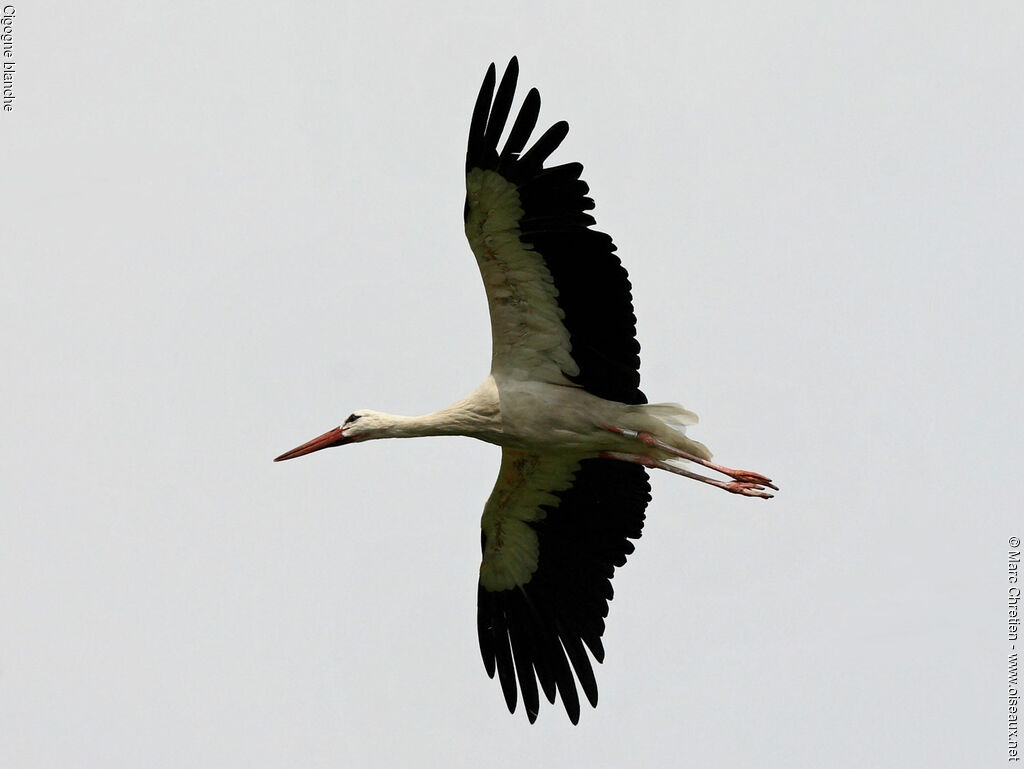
554	529
560	302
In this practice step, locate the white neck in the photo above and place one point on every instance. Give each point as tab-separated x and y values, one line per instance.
444	422
476	415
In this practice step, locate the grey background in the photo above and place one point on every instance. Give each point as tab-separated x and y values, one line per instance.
226	226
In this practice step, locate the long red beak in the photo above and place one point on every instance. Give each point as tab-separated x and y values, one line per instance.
325	441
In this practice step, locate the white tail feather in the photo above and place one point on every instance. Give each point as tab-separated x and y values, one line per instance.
672	414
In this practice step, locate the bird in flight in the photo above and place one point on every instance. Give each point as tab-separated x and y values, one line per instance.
563	402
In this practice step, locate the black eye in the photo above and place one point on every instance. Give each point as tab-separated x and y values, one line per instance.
351	418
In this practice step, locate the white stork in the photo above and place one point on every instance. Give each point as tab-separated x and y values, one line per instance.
563	402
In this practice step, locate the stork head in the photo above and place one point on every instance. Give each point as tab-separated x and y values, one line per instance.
350	431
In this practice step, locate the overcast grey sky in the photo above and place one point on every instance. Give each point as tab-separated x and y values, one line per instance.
225	226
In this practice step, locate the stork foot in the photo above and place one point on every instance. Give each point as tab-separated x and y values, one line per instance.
748	477
747	489
746	482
